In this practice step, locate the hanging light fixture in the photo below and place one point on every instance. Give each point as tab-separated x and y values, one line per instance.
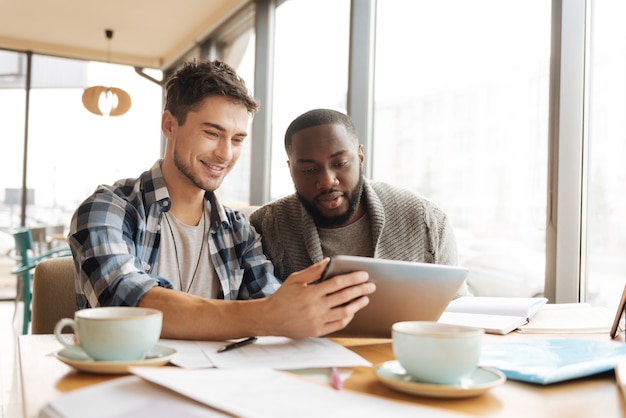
106	101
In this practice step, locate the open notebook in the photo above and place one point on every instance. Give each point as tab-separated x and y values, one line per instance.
497	315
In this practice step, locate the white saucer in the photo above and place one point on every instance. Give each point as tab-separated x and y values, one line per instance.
78	359
392	374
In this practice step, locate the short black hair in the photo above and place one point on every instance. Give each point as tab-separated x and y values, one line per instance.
318	117
198	79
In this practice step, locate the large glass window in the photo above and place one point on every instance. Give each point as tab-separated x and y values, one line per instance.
311	70
12	102
239	53
461	117
605	199
70	150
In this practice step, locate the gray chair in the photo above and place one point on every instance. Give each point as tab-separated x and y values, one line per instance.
53	294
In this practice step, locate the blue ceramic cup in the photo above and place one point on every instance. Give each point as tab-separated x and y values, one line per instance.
436	353
113	333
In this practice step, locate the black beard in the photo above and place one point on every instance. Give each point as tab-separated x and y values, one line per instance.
339	220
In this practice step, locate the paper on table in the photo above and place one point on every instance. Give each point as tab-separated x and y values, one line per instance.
620	377
286	354
260	392
270	352
125	397
189	354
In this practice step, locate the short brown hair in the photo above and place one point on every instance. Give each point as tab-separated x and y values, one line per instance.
198	79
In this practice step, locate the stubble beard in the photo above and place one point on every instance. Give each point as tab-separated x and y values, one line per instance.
209	184
323	221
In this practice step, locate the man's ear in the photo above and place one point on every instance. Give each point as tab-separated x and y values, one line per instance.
361	154
168	123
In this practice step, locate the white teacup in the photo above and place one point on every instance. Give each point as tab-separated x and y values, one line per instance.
436	353
113	333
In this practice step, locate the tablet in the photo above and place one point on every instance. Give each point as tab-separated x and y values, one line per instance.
405	291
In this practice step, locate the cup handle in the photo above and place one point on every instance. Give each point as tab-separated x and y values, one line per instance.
58	328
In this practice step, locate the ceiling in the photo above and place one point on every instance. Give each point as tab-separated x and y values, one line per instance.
146	33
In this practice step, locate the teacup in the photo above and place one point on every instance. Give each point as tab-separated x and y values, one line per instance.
113	333
436	353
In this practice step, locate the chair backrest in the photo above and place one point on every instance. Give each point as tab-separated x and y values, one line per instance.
39	239
54	294
23	244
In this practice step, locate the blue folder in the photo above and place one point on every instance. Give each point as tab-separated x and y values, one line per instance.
551	360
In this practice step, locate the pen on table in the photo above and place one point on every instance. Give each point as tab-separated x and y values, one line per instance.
335	378
237	344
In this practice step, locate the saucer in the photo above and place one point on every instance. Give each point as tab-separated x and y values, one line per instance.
77	358
392	374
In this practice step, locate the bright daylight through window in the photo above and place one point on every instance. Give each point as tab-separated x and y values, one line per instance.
461	117
70	150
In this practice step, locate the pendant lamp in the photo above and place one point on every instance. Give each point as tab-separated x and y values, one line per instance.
103	100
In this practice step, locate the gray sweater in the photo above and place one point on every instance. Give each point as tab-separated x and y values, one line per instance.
404	226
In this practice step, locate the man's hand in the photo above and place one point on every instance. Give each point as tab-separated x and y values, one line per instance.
300	309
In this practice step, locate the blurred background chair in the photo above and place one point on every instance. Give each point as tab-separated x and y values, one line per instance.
47	237
39	239
54	295
28	261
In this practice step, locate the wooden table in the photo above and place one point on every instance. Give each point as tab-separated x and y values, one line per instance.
43	377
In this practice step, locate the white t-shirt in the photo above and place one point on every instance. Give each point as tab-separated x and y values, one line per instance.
184	256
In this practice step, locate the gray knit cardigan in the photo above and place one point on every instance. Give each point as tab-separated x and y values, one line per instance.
405	226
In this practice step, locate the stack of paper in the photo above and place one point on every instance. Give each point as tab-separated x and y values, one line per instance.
269	352
223	392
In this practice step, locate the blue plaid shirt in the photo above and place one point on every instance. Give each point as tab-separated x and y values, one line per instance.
115	236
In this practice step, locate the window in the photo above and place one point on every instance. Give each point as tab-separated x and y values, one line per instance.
12	104
461	117
311	70
71	151
605	200
239	53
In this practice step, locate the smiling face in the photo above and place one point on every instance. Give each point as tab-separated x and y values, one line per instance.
326	167
204	149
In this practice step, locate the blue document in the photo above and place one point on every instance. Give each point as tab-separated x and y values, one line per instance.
551	360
